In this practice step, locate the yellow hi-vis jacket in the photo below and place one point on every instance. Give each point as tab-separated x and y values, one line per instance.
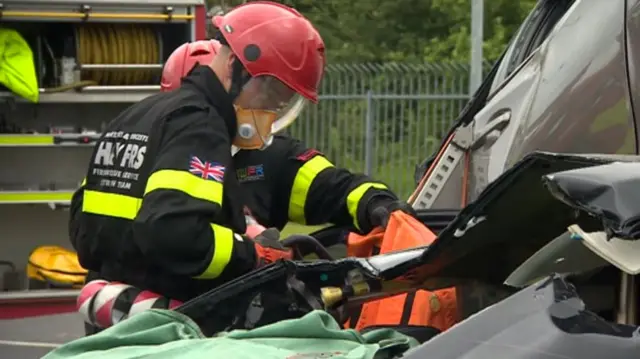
17	69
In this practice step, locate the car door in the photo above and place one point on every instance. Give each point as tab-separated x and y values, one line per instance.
561	87
458	171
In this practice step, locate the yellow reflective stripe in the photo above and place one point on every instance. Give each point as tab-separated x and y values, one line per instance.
222	251
354	197
84	182
121	206
186	182
301	184
110	204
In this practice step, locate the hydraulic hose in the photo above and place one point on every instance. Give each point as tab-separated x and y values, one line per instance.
306	245
74	86
112	44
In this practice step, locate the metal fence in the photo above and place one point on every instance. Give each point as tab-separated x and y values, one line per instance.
384	119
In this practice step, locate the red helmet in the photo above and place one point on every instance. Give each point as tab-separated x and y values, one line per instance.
274	40
184	58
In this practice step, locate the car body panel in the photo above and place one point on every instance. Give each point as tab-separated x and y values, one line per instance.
564	254
580	103
547	320
571	94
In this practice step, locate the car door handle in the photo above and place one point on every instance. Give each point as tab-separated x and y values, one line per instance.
493	130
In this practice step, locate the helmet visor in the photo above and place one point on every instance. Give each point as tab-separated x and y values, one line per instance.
275	101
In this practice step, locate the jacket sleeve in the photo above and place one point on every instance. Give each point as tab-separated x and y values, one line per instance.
320	193
80	245
177	227
75	209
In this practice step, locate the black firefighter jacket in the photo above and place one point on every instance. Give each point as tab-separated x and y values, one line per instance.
159	208
288	182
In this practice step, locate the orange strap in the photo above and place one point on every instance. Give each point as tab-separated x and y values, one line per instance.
364	246
422	308
423	180
427	174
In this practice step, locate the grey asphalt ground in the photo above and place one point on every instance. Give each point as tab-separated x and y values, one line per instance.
31	338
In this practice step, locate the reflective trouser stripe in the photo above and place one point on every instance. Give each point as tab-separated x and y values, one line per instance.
301	184
110	204
183	181
222	252
354	197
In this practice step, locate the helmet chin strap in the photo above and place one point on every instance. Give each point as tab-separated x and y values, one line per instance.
239	78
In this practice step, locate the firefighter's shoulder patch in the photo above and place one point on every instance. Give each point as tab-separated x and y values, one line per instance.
308	154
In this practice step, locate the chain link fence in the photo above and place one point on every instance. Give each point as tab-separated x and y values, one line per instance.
383	119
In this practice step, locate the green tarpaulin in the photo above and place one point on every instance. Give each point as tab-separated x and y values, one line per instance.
167	334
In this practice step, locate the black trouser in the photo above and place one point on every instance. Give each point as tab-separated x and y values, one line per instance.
90	329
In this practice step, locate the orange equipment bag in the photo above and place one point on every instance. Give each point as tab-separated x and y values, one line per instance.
421	308
55	267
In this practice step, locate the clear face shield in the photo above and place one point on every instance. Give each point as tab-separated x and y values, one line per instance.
264	107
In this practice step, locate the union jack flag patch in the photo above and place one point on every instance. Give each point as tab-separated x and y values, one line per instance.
206	170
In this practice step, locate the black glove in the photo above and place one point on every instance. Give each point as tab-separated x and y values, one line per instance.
380	210
269	249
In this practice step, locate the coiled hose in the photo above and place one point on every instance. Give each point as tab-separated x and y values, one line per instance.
117	44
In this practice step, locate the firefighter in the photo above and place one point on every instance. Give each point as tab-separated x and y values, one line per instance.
160	208
288	181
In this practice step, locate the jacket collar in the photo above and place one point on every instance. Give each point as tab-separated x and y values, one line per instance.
204	81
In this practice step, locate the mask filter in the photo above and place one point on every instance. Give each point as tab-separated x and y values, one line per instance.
246	131
254	128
